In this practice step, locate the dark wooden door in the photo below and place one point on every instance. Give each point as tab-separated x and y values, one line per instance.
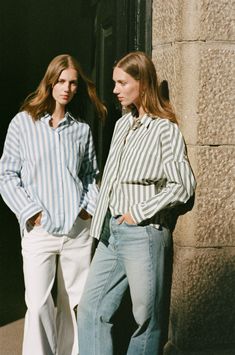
120	27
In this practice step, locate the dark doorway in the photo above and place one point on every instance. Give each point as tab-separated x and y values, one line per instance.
31	34
97	32
120	27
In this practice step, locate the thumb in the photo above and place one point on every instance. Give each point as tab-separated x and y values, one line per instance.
120	219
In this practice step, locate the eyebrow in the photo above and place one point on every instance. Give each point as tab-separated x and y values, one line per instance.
71	81
119	81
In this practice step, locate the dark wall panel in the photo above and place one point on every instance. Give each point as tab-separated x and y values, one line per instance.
31	34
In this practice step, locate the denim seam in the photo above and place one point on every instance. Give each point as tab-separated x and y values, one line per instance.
102	293
150	238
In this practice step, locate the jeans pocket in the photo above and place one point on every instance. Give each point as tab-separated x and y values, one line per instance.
130	224
162	234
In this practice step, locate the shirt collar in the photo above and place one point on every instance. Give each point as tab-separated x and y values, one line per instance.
145	120
66	120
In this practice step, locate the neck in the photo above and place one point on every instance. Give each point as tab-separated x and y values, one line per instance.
138	111
141	111
57	116
59	112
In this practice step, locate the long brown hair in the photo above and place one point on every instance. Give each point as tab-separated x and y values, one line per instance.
140	67
41	101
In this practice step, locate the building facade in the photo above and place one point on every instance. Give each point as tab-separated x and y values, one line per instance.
193	50
192	45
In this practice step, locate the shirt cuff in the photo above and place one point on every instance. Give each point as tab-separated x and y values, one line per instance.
137	214
29	211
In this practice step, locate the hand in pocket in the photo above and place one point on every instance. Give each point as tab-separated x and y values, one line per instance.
84	215
36	219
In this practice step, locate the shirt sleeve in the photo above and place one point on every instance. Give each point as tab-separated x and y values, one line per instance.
88	174
180	182
11	186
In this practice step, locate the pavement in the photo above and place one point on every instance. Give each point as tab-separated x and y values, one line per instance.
11	336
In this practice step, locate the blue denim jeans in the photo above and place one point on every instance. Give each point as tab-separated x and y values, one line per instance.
133	256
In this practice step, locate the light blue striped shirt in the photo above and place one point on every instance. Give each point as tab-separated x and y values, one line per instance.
47	169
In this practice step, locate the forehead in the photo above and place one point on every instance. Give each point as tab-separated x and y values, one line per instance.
121	75
68	73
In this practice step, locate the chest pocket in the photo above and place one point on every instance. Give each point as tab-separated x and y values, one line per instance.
74	152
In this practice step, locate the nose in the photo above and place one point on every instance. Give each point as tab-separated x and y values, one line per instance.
66	87
115	90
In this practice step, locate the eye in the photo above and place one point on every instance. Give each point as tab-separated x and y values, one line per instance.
121	83
61	81
74	82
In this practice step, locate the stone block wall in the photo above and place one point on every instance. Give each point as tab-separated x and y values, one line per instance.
194	50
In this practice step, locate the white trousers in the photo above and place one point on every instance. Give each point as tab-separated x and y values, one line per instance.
46	331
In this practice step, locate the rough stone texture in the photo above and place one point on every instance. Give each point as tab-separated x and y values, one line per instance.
194	52
175	21
178	64
167	59
182	20
202	309
217	20
201	89
216	94
215	196
167	21
211	222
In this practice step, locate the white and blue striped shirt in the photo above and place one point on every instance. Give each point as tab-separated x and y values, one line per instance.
47	169
146	173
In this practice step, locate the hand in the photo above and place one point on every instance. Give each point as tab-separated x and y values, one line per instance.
84	214
36	219
126	217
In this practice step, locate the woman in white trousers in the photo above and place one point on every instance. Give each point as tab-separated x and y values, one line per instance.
48	179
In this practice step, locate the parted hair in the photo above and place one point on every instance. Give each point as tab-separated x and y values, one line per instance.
139	66
41	100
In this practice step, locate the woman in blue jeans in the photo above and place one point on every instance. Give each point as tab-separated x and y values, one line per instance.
146	174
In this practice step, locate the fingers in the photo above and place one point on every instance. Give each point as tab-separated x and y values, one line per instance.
126	217
36	220
121	219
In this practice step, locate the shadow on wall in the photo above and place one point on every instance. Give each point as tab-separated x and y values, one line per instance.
202	309
164	90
